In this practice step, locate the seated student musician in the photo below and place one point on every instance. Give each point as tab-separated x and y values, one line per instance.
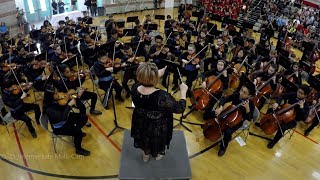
247	108
131	64
224	78
12	97
191	65
301	111
63	120
69	80
313	115
262	76
103	70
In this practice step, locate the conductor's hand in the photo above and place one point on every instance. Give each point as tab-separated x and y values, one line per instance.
183	90
72	102
161	71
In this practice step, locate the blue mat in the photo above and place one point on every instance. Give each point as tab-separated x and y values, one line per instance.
174	165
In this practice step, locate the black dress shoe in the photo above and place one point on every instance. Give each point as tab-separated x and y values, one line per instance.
88	124
257	124
306	133
34	134
270	145
83	152
95	112
221	152
84	134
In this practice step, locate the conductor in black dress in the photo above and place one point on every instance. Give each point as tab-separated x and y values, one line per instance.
152	118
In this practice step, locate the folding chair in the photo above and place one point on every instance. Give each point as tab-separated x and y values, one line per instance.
245	129
44	120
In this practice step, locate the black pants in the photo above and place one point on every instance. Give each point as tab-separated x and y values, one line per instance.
227	135
92	96
284	127
105	85
93	10
128	74
20	114
313	125
73	128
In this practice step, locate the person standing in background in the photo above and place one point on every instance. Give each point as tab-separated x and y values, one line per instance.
73	5
61	6
54	7
88	4
93	7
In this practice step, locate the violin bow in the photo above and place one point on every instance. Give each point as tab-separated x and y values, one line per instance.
166	41
180	77
78	71
15	76
64	83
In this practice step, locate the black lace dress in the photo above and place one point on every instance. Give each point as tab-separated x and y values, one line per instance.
152	120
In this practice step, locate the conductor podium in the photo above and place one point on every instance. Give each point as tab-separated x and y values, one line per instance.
174	165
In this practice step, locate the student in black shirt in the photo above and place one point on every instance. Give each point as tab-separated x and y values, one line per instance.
63	121
17	107
315	121
105	77
66	84
54	7
301	111
246	109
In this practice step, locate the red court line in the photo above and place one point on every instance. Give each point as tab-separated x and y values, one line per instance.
104	134
306	137
21	152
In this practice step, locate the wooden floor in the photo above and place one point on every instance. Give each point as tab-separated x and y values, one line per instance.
28	158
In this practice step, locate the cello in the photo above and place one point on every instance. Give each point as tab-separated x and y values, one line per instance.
234	80
202	97
270	122
264	88
229	117
313	112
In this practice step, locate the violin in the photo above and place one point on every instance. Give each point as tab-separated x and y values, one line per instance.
63	98
110	63
16	89
6	66
74	76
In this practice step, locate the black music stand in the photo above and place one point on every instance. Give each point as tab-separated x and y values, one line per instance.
151	27
132	19
115	121
159	17
120	24
284	62
262	51
196	14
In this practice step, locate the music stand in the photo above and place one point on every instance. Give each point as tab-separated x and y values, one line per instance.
115	121
314	82
288	85
151	27
132	19
120	24
196	14
159	17
194	33
231	21
284	62
262	51
247	25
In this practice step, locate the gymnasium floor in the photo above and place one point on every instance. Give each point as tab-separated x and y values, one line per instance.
27	158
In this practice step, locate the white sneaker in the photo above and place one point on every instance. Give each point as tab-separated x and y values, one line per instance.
159	156
145	157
